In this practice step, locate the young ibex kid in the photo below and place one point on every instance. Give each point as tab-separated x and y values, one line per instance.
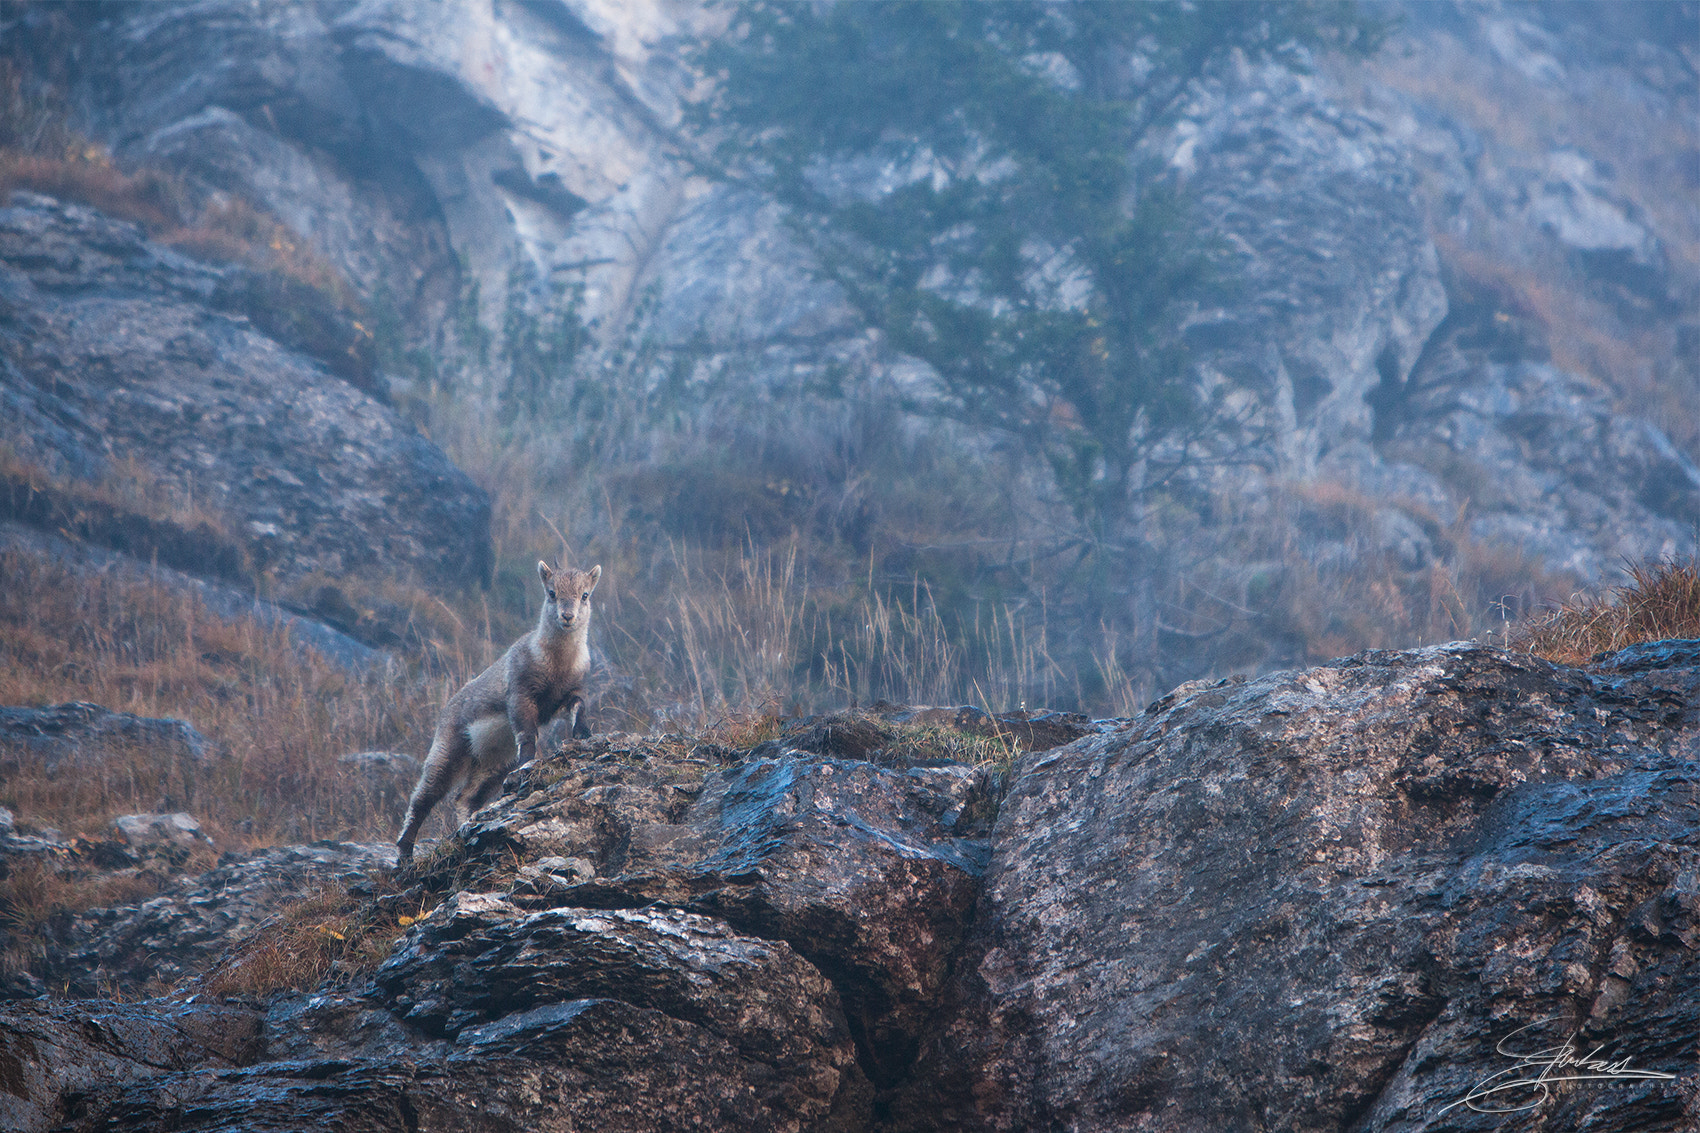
490	726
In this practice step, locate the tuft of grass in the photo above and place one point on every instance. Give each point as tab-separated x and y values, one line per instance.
334	936
915	745
1661	600
743	730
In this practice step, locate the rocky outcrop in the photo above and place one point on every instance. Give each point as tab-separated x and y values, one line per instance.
1326	899
147	948
77	739
483	971
171	429
1424	383
1318	900
868	872
1340	282
1562	231
51	1052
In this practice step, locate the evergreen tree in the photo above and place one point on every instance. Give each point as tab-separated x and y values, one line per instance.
1000	230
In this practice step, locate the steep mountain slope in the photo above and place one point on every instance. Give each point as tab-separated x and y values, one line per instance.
1458	341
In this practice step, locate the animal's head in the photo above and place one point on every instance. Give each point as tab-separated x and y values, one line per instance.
567	594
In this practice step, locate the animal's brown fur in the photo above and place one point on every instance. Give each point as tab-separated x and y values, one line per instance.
490	726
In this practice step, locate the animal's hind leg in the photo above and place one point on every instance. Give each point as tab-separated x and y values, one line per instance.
448	754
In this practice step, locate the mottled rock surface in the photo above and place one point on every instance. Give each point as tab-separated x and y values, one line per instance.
869	872
50	1051
1317	900
479	968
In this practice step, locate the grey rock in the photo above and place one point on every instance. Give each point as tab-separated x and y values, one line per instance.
53	1051
1319	899
154	833
868	872
380	762
115	356
479	968
585	1064
1548	466
80	738
1340	279
48	843
622	1020
1677	653
1363	201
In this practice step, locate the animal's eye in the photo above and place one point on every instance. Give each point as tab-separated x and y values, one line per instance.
586	598
551	595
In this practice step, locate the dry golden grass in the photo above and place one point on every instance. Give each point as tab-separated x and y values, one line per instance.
1661	600
280	714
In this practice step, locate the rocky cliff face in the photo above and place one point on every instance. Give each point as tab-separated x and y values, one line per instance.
1460	341
1323	899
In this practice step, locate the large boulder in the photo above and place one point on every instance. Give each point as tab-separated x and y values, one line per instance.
483	970
869	872
1324	899
81	739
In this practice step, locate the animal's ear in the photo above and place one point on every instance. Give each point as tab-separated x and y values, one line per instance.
595	575
544	572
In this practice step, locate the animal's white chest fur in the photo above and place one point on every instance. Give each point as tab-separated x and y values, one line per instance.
492	741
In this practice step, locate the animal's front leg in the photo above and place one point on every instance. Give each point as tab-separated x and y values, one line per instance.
522	718
576	715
